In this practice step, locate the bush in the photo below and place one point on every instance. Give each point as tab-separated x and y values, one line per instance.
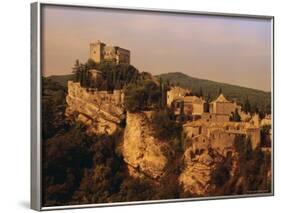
64	157
142	96
220	175
116	76
164	125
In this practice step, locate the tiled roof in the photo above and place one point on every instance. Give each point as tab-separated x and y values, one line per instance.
221	99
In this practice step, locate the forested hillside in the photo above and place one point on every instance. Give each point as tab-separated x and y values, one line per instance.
258	99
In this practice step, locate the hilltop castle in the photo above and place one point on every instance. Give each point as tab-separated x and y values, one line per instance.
99	52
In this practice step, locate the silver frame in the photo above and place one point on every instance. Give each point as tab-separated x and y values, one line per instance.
36	183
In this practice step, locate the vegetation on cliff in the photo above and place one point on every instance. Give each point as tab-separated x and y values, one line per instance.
115	76
79	169
143	95
83	169
253	175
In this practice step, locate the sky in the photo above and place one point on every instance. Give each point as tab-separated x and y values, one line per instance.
232	50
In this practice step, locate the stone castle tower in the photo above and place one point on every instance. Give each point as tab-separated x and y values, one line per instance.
99	52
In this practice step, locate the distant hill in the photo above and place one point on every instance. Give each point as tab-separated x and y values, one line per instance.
257	98
62	79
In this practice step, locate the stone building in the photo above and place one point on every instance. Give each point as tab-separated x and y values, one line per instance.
193	105
212	117
99	52
96	78
222	106
176	93
221	109
221	135
183	103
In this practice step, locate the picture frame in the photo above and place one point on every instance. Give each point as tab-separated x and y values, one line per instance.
122	56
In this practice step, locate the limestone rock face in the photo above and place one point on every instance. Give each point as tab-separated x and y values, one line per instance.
144	154
100	111
196	176
199	165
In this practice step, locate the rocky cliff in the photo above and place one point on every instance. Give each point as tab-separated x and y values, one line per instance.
144	154
100	111
200	161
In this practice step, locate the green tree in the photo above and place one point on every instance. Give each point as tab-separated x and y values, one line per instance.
76	69
265	136
235	116
201	92
247	105
91	64
142	96
165	126
220	91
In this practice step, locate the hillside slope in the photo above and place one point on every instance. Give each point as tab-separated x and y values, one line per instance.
62	79
257	98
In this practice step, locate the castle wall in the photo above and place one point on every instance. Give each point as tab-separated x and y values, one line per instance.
96	51
100	51
110	53
123	56
100	111
108	102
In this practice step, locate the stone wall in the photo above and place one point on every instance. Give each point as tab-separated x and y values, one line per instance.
216	118
101	111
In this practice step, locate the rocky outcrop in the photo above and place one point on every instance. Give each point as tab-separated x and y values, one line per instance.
144	154
200	163
198	168
100	111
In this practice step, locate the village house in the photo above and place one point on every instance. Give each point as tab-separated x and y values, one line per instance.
221	134
222	106
183	103
176	93
193	105
96	78
214	128
220	110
